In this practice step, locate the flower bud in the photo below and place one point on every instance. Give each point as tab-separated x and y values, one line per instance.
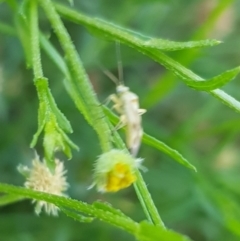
115	170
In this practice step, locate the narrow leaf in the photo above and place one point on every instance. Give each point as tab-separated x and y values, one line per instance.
77	217
53	54
67	143
108	208
147	41
215	82
24	36
61	119
41	123
36	136
167	45
135	42
151	141
45	97
9	199
50	140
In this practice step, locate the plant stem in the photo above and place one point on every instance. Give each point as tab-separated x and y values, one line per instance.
35	49
121	222
40	82
90	107
142	202
143	194
140	186
148	202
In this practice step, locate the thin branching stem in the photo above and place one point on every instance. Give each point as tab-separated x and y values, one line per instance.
35	48
124	223
76	66
90	107
117	33
148	201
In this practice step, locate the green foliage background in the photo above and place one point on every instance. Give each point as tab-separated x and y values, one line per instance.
202	205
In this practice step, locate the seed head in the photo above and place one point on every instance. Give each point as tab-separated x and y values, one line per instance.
40	178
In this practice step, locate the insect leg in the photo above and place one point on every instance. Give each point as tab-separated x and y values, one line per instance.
121	123
117	103
141	111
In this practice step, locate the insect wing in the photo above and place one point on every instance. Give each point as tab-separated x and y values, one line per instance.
133	122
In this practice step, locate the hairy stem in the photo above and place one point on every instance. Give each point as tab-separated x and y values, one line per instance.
35	48
141	189
90	107
124	223
147	202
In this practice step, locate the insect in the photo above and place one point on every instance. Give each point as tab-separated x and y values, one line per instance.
126	104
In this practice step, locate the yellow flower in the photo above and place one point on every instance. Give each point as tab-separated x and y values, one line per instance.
40	178
115	170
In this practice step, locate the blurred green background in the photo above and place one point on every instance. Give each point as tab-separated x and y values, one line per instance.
203	205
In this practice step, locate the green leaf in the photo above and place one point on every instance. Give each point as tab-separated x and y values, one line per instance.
161	88
41	123
36	136
51	119
43	113
149	232
54	55
24	36
77	217
107	207
147	41
184	73
45	96
52	139
167	45
135	42
56	139
214	83
67	143
151	141
61	119
9	199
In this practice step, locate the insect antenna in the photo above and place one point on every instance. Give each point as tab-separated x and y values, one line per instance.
111	76
119	63
119	80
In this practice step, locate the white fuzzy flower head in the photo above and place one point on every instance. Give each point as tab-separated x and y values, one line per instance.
40	178
115	170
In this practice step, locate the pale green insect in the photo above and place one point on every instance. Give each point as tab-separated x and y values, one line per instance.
126	103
